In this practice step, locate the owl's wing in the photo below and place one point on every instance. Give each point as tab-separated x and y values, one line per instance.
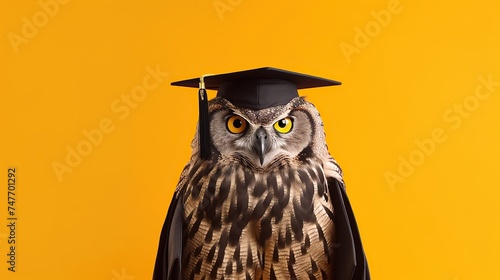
168	258
350	257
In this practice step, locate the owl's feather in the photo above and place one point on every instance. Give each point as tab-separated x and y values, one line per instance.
276	219
242	223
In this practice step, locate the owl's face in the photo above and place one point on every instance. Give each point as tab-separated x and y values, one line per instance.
266	136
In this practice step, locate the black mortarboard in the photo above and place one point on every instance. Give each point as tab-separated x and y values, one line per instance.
258	88
255	89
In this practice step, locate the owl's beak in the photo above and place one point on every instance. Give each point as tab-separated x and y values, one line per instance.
261	144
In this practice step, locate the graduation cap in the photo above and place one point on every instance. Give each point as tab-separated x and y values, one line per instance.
255	89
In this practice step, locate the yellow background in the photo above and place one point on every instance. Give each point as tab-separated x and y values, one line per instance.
403	81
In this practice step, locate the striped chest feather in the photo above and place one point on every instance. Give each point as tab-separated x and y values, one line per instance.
242	224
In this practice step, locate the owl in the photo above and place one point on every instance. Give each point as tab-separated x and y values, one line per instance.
261	197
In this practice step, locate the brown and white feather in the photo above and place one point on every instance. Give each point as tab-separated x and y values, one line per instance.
244	220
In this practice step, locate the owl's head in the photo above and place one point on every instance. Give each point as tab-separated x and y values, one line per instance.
265	137
258	118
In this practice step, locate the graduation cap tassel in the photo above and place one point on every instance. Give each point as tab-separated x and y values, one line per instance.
203	122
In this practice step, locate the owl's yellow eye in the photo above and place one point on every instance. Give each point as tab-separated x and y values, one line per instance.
283	126
236	124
